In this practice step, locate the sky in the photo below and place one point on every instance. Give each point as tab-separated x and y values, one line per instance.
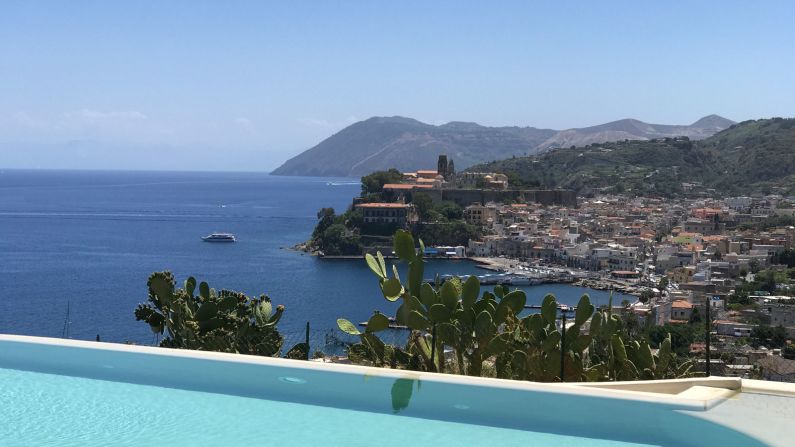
239	85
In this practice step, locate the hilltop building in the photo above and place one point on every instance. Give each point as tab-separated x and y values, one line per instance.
399	214
468	188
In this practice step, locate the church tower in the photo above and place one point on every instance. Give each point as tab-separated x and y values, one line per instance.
441	166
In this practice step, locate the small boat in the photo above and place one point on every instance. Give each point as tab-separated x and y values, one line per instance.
392	324
220	237
520	280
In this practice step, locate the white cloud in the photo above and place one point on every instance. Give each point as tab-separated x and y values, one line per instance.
314	122
25	119
326	124
245	125
243	121
94	116
85	123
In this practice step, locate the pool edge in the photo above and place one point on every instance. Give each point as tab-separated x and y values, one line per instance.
633	391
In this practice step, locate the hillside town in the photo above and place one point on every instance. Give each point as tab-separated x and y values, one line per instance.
679	256
735	255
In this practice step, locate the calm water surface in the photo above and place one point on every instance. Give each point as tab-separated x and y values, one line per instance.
90	239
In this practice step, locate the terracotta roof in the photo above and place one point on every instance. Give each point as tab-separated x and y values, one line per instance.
714	238
382	205
681	304
405	186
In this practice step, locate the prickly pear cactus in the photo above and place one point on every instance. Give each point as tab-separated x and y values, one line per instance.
224	321
486	330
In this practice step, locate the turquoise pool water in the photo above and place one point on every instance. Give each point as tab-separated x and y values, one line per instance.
64	393
45	409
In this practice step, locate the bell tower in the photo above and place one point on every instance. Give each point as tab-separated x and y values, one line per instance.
441	166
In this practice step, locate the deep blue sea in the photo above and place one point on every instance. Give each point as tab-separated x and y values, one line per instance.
88	240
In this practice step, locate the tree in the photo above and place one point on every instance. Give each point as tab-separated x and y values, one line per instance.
447	233
354	219
739	297
786	257
682	336
788	352
695	316
325	218
770	337
646	295
769	281
374	183
423	203
632	324
337	240
663	284
753	265
450	210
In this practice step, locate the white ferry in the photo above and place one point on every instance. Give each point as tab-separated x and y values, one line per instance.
220	237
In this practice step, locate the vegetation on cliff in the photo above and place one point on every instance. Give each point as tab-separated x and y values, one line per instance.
752	156
439	223
374	183
336	235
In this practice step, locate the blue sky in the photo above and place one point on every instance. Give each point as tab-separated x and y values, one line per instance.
261	81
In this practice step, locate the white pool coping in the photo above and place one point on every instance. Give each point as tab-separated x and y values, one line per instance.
763	410
665	392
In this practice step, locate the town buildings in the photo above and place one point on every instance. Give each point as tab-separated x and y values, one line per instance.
689	255
398	214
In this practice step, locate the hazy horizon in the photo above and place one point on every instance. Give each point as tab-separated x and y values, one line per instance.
243	87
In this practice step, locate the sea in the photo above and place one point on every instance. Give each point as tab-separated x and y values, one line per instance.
77	247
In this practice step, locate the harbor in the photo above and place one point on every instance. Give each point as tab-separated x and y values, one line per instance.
513	272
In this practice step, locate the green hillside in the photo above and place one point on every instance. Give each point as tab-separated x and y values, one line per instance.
749	157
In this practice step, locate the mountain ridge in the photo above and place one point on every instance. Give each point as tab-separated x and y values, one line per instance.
383	142
754	156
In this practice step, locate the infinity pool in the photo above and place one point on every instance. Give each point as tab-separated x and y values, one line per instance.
55	392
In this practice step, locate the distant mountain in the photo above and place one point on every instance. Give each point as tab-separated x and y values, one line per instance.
749	157
407	144
632	129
